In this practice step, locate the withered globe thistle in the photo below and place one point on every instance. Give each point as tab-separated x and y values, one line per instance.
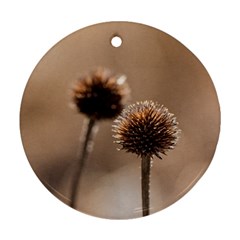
101	94
146	129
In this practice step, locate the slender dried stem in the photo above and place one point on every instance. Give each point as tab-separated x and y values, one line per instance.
146	167
86	141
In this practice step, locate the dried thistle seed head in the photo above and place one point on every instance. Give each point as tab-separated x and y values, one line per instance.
101	94
146	129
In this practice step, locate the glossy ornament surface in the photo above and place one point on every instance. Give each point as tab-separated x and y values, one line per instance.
158	68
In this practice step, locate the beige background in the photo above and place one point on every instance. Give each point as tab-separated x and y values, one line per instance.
158	68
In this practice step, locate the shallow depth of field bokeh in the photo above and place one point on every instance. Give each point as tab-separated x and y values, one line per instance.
158	68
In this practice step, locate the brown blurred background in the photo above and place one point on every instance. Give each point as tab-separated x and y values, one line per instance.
158	68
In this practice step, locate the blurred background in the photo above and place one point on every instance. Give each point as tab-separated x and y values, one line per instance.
158	68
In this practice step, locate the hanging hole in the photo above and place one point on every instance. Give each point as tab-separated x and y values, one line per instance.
116	41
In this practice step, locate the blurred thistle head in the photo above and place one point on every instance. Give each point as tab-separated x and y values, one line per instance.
101	94
146	129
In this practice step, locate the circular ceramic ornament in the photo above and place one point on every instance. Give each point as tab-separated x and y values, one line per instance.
127	86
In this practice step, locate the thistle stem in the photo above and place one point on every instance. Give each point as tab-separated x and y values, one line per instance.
146	167
86	140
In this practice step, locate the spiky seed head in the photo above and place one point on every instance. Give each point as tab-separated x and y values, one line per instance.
146	129
101	94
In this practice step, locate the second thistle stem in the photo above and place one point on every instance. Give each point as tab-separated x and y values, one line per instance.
146	167
86	141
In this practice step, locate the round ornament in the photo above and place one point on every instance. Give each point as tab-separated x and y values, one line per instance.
119	120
